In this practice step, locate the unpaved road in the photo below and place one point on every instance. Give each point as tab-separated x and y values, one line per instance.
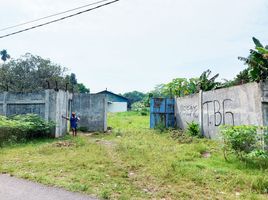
17	189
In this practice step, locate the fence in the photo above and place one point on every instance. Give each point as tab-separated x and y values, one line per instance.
240	105
52	105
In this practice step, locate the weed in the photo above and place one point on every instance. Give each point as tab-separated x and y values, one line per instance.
193	129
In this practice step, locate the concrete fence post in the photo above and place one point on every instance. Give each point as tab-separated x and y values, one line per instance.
47	105
201	120
105	114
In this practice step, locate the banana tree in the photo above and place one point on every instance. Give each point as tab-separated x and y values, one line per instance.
257	62
206	83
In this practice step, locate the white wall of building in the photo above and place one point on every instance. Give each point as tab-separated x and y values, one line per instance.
114	107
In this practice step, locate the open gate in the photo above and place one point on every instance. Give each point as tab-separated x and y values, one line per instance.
162	112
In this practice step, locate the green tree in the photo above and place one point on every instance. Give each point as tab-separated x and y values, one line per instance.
158	91
242	77
257	62
31	73
206	83
82	88
4	55
180	87
73	79
134	96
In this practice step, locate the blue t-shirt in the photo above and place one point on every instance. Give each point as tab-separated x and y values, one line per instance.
74	121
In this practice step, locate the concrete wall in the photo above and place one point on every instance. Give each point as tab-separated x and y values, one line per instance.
235	106
52	105
92	110
48	104
114	107
21	103
187	110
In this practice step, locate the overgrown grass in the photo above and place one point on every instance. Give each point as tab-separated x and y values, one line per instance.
134	162
23	128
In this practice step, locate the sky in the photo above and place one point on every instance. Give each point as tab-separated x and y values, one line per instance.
138	44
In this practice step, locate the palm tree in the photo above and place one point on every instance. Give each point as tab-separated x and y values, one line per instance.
4	55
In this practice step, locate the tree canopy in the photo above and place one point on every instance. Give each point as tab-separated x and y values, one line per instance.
32	73
134	96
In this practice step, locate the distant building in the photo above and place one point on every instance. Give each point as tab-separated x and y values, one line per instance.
116	103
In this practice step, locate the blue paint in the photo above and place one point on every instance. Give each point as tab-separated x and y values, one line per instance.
162	112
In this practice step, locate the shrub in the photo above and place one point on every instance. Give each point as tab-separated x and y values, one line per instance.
140	107
38	126
258	154
193	129
244	141
21	128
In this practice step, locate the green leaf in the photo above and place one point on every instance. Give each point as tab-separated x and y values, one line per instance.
257	42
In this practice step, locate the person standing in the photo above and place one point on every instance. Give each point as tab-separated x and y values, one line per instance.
74	122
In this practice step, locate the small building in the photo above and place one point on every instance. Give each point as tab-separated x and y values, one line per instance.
116	103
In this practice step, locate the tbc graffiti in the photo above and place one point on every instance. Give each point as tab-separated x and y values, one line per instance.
220	112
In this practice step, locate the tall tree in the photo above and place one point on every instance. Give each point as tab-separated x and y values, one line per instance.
31	73
73	79
4	55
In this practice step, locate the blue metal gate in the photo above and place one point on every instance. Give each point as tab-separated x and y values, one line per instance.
162	112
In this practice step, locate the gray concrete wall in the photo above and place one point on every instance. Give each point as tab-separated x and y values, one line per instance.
58	107
237	105
48	104
92	110
187	110
52	105
22	103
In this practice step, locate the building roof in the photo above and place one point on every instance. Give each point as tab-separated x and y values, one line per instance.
113	94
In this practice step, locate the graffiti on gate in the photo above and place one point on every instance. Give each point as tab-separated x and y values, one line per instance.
219	111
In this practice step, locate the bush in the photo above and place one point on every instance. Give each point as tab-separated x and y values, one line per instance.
21	128
38	126
244	141
141	108
193	129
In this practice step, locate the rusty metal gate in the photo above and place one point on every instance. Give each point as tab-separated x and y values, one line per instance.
162	112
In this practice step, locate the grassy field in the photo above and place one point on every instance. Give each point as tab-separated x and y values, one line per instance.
134	162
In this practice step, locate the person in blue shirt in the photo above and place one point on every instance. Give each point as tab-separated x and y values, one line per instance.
73	120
